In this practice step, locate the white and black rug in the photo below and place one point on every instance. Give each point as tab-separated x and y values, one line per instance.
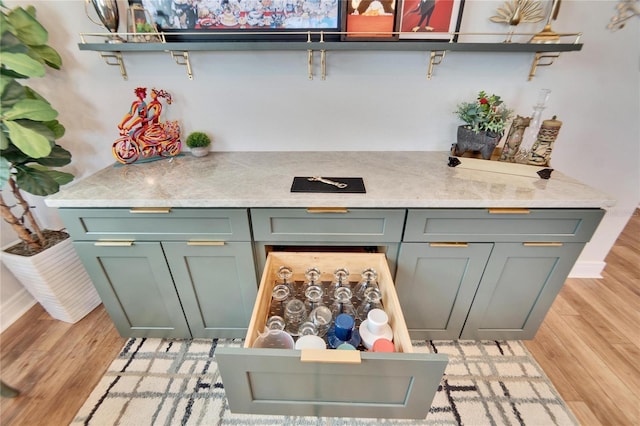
176	382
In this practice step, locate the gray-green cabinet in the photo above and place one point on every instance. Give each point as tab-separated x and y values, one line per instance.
436	283
174	273
486	273
216	285
136	287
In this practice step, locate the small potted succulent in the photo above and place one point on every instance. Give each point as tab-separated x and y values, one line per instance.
199	143
485	120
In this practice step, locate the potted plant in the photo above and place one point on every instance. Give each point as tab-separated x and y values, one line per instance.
485	120
28	133
199	143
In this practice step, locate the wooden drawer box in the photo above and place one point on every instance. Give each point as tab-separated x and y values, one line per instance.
501	225
151	224
328	225
330	382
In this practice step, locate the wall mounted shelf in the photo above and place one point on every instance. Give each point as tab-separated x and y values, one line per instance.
545	53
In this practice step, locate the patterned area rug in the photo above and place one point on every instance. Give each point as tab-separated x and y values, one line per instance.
176	382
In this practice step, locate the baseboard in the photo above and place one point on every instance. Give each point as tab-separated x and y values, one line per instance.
587	270
15	307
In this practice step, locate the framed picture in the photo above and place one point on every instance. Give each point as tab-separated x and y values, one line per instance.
233	20
373	20
429	19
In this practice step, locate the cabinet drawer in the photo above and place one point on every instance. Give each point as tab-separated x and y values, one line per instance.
277	381
328	225
153	224
502	225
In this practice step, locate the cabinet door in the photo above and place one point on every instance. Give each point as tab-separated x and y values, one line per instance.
520	282
436	283
217	286
136	288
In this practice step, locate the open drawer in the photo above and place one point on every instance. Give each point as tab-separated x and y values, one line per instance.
330	382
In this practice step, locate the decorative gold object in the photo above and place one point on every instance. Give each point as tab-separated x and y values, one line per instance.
547	35
516	11
541	152
627	9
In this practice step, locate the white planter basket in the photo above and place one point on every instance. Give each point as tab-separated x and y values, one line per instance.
57	279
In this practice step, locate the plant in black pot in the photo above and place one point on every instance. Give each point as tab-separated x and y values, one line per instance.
30	155
485	120
199	143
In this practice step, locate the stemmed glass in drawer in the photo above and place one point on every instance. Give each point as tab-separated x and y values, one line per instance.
372	300
368	280
341	278
313	297
342	303
284	274
312	276
280	296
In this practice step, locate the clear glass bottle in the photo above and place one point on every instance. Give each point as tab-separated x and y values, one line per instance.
531	133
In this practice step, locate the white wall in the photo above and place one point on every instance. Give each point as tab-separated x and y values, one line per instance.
371	100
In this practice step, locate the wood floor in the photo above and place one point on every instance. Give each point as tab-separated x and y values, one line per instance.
589	346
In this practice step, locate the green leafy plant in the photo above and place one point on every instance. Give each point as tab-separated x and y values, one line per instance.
198	140
485	114
28	124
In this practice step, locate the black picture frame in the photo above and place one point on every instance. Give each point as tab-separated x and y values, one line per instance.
246	20
372	20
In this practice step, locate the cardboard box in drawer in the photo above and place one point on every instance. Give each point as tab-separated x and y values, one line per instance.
330	382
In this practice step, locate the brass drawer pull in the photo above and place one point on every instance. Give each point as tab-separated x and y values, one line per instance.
151	210
127	243
330	356
508	211
327	210
461	245
205	243
542	244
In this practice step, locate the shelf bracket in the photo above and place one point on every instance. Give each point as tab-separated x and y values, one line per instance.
435	58
183	59
542	59
109	59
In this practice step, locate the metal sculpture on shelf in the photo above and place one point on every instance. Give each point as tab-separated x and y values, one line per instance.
142	135
107	11
547	35
627	9
515	12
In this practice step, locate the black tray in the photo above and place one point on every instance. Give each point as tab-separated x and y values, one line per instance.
355	185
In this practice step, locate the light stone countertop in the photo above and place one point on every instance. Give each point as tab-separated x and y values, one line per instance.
263	179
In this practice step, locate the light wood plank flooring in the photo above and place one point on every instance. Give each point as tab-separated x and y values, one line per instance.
589	346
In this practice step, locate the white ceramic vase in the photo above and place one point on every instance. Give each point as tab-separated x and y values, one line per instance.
57	279
200	151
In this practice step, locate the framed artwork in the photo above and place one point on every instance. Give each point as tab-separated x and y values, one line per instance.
373	20
234	20
429	19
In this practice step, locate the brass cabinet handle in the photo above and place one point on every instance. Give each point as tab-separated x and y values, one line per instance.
509	211
151	210
327	210
542	244
445	244
115	243
205	243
